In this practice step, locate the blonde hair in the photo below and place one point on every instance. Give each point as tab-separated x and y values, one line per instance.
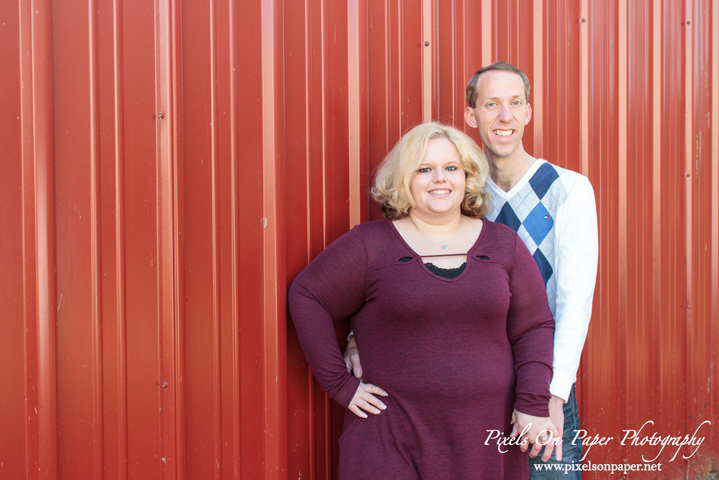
391	186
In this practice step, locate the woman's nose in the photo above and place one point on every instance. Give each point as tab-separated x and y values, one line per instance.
439	176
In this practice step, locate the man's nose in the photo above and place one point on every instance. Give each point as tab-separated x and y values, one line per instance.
505	114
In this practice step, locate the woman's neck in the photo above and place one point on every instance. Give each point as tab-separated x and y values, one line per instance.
443	227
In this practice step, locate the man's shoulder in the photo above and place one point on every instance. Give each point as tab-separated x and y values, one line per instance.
569	177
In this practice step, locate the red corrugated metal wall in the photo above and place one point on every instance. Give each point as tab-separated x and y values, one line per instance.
169	167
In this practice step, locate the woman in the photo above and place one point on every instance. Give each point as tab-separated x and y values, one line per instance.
468	295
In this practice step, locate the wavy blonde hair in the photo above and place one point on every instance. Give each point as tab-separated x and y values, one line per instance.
391	186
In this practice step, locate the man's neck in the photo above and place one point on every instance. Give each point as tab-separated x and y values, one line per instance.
505	172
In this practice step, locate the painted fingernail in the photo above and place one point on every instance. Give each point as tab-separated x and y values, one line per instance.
383	407
377	410
364	415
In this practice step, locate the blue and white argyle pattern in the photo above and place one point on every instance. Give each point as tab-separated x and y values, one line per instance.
532	213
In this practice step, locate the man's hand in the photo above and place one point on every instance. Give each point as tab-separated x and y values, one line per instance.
556	415
364	400
539	430
352	358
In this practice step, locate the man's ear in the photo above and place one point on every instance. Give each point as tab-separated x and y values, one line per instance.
469	117
529	114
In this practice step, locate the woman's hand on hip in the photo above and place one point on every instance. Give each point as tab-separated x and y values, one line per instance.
365	399
539	431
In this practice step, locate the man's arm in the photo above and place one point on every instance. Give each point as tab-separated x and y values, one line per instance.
576	276
351	357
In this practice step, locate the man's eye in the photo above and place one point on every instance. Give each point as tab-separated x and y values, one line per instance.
491	104
516	102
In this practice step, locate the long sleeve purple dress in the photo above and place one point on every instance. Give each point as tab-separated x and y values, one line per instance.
455	355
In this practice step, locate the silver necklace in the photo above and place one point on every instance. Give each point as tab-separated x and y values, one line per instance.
443	247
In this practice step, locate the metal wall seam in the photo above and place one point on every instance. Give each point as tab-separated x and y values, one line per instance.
387	75
714	293
38	239
461	78
657	217
622	72
538	78
427	47
487	22
95	242
166	120
119	166
398	67
235	244
434	59
216	277
688	203
355	119
323	401
178	225
323	93
584	86
307	71
275	337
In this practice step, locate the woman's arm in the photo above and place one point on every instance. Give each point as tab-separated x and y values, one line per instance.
332	288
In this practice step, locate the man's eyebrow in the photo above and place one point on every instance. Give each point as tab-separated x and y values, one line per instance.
516	95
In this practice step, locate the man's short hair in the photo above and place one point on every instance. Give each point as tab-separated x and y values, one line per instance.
504	66
391	187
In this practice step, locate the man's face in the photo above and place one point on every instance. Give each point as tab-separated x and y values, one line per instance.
500	114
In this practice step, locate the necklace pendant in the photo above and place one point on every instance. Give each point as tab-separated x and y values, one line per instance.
444	247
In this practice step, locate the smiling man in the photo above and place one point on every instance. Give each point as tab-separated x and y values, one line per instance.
554	212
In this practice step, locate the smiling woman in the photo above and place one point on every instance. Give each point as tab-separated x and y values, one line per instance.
438	184
481	329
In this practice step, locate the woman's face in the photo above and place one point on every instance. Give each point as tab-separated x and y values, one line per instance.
437	185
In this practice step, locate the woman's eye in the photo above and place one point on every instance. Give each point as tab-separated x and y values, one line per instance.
452	169
423	170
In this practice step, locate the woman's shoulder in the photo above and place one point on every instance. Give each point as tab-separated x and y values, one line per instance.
374	229
499	231
381	240
499	241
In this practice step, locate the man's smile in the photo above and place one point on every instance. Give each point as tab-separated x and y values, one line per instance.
504	133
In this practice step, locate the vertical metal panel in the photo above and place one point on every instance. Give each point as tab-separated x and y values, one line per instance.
142	269
13	419
112	259
274	278
146	259
79	366
38	239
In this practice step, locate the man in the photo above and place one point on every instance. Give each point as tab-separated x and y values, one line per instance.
553	210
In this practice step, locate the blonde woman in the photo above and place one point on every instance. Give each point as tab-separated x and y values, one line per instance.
450	314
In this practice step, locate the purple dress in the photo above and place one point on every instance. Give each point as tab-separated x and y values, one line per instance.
455	355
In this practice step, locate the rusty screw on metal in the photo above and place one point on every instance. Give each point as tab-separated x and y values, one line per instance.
161	116
426	43
164	384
